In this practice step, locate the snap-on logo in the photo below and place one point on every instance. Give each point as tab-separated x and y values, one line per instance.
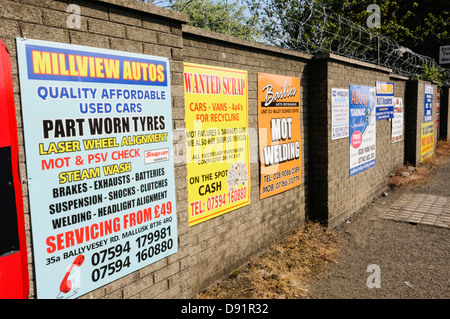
156	156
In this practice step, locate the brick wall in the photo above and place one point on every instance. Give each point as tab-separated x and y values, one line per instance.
329	174
445	115
210	250
414	118
223	243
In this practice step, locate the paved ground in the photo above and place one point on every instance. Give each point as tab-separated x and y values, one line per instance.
399	243
421	209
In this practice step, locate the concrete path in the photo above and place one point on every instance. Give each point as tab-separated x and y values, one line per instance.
396	248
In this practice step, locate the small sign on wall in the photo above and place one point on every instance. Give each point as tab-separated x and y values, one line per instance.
339	113
397	121
428	103
385	100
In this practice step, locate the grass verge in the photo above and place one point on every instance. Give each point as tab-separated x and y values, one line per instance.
283	270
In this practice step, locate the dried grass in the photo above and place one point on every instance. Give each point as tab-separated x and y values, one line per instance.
443	149
282	272
409	175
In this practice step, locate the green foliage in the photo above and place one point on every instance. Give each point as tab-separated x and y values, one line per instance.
432	74
421	26
310	26
341	27
222	16
418	25
317	25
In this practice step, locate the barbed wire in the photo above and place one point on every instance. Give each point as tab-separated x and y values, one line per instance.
316	29
336	34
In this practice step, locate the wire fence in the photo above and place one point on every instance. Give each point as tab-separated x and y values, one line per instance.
323	31
315	29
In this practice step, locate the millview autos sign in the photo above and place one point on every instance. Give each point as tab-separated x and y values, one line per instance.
98	141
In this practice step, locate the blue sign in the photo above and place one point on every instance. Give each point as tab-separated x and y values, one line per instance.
385	100
428	103
83	65
98	141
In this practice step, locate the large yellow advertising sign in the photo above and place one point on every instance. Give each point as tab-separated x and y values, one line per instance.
426	141
218	165
279	133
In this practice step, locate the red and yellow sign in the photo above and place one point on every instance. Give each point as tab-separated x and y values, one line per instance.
218	165
279	133
426	141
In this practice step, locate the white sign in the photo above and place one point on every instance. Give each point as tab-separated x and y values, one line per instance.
156	156
397	121
444	54
339	113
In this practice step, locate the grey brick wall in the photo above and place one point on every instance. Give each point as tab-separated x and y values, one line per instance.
210	250
444	117
414	118
329	174
221	244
